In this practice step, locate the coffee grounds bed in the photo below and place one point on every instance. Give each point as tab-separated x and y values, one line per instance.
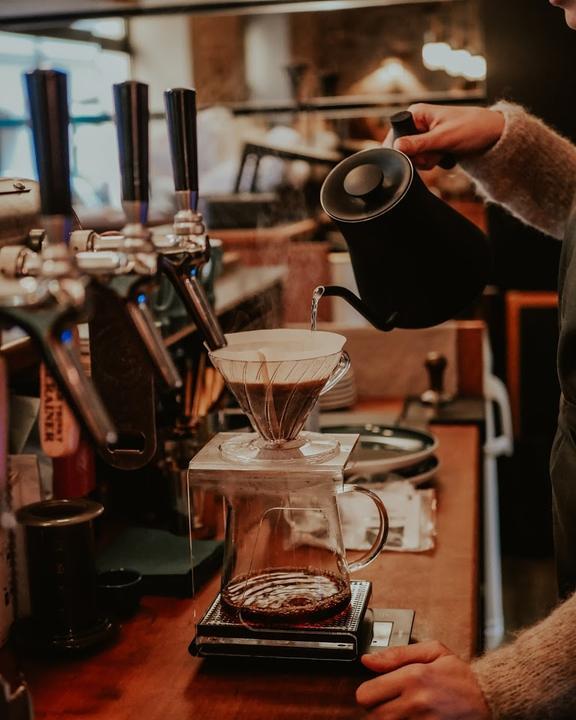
287	595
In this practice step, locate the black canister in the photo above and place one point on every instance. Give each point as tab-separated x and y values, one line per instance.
417	261
62	576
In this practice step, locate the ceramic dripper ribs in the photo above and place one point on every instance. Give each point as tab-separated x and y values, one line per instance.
277	377
278	396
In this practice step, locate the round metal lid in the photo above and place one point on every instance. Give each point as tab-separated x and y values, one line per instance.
366	185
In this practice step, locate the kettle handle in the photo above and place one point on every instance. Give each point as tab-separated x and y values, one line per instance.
403	124
382	535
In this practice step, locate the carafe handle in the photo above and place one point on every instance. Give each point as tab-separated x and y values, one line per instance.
382	536
339	371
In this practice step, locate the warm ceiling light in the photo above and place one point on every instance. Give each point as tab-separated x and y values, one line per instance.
435	55
457	63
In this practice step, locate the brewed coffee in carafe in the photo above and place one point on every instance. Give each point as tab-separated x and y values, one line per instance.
288	564
284	560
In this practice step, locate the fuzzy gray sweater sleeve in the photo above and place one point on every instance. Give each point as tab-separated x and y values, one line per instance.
534	677
531	171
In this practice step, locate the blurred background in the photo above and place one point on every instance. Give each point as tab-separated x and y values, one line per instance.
287	89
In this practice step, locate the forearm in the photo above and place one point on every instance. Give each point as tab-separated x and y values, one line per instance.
535	676
531	171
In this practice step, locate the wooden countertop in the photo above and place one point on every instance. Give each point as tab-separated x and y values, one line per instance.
149	675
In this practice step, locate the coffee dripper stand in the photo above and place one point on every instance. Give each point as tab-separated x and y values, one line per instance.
285	586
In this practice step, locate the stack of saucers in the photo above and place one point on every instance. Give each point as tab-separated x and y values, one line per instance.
342	396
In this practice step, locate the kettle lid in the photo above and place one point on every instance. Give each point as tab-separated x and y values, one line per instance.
366	184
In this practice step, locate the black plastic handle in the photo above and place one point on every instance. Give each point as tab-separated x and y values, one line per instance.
181	117
403	124
132	116
48	102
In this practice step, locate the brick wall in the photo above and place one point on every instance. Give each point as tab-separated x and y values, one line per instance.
218	52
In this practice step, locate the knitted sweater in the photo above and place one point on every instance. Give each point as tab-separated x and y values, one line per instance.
532	172
534	677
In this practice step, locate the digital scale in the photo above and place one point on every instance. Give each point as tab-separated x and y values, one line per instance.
344	637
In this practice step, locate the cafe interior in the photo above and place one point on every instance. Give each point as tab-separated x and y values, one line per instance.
272	395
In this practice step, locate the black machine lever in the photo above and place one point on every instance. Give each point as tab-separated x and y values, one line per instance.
59	296
188	247
132	118
48	101
132	121
181	117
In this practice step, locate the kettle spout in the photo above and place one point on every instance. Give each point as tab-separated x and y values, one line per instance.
386	324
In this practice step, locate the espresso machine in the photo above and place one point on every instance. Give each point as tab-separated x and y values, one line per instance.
130	363
54	275
286	591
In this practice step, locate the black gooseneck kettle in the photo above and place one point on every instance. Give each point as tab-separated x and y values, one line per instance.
417	261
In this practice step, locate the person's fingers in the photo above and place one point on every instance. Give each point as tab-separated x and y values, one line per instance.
397	657
425	116
393	710
387	687
429	141
427	161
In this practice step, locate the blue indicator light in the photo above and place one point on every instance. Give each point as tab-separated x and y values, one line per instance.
141	299
66	336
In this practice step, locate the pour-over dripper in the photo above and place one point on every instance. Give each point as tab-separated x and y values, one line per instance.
277	377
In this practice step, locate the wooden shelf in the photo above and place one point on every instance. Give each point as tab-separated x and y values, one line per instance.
354	105
32	11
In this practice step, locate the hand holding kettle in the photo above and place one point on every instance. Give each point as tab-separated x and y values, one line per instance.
417	261
460	131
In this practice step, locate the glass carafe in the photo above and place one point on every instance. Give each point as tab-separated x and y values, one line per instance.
285	560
